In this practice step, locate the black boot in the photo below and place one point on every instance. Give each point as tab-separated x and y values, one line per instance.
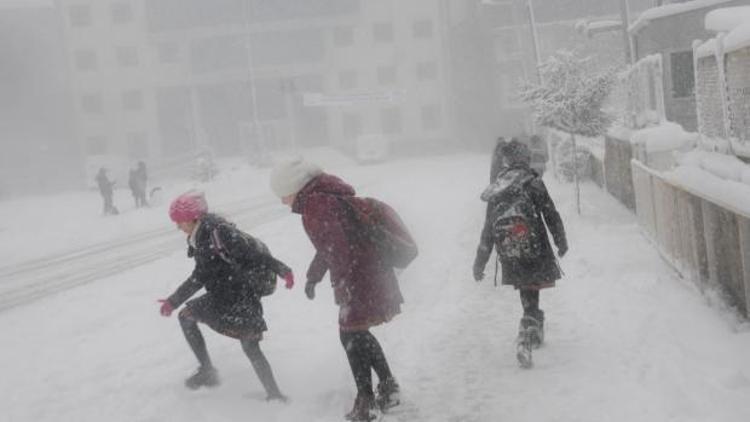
533	317
388	394
203	377
363	410
263	370
524	343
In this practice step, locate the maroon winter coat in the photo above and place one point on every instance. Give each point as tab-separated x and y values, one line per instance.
366	291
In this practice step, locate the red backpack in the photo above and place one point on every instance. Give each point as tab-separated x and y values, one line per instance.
379	223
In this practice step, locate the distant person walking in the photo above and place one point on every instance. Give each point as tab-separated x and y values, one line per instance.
138	183
236	270
519	214
350	235
106	190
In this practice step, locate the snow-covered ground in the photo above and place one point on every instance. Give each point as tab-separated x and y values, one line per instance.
626	339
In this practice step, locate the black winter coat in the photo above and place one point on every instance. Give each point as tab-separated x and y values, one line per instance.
539	272
228	285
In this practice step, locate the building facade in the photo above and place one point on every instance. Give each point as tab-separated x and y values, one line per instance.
158	80
39	153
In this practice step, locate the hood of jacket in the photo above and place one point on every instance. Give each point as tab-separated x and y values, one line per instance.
323	184
509	178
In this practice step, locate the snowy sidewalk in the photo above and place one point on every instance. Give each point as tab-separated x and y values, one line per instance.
626	339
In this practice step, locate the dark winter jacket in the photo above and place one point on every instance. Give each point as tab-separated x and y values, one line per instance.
543	270
365	288
229	285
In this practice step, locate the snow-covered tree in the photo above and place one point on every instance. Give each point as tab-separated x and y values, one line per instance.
570	97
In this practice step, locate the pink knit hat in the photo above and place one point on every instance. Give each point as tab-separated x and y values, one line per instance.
189	206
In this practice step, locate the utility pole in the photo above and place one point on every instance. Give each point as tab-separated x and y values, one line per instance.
534	39
625	17
251	82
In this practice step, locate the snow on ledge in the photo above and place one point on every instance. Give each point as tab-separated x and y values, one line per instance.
721	178
707	49
667	136
726	19
671	10
738	38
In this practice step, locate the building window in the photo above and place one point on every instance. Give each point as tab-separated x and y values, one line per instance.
122	12
343	36
348	79
86	60
422	29
127	56
168	52
382	32
387	75
132	100
431	117
92	103
426	71
390	120
683	78
80	15
96	145
351	125
137	145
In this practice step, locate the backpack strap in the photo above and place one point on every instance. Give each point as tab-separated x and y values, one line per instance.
219	247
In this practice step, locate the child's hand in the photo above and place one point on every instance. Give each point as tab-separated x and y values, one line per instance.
288	279
166	308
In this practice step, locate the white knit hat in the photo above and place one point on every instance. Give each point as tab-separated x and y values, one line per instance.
289	177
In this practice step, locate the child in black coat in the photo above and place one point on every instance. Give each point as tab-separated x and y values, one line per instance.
234	268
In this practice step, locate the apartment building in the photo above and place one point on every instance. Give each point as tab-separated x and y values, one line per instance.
157	80
39	153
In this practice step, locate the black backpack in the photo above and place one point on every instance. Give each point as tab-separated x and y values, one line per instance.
513	218
262	279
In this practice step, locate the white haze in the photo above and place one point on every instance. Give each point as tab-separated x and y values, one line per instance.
90	84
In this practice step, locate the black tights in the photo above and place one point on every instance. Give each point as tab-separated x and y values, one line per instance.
365	354
530	303
251	347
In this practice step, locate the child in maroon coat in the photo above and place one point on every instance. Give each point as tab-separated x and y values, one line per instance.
365	287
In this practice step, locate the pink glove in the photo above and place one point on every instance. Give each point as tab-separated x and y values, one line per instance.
289	280
166	308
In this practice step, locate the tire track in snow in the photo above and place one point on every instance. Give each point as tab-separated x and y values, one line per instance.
36	279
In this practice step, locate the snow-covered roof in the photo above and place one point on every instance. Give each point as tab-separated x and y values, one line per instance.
726	19
671	10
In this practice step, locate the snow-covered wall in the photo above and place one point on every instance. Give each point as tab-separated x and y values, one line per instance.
700	222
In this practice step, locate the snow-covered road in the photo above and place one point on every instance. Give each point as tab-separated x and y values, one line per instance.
41	277
626	339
